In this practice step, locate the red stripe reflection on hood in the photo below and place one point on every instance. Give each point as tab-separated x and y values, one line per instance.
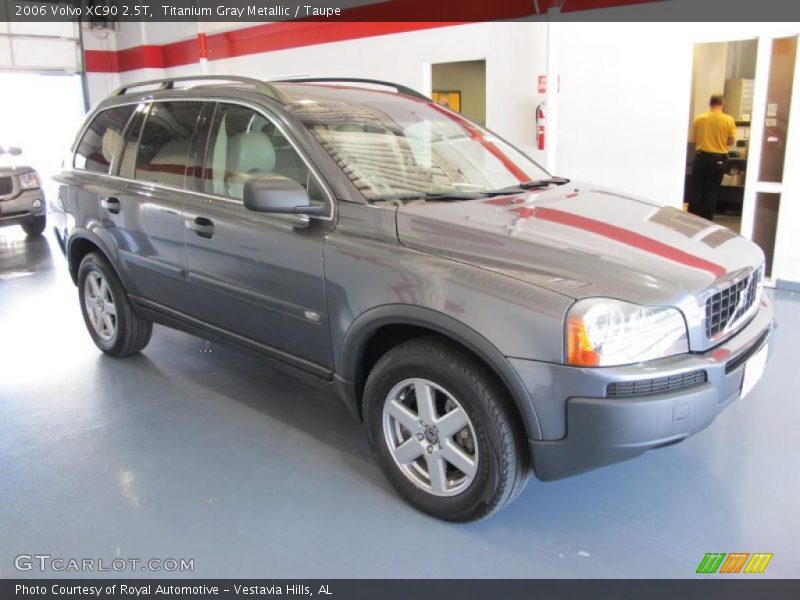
619	234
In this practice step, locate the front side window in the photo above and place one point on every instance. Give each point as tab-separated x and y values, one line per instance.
389	144
102	139
244	144
162	149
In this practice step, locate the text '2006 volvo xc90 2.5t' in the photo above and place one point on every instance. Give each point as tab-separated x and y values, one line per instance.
484	318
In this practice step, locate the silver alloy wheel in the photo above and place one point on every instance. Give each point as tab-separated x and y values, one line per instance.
100	305
430	437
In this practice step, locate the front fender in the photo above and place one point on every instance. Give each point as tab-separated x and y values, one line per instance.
366	324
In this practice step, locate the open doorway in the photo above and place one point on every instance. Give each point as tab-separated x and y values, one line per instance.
40	114
461	86
726	68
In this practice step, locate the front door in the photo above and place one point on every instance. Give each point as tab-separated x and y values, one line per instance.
255	277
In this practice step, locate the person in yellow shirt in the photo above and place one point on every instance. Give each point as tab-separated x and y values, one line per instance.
712	134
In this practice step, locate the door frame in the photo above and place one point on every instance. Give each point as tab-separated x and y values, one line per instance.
790	186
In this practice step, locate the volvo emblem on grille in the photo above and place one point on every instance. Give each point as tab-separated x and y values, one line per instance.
741	301
742	304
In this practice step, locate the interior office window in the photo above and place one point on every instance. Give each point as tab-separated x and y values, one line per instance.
245	144
102	139
163	146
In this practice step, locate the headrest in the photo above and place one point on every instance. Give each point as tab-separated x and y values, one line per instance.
110	141
251	151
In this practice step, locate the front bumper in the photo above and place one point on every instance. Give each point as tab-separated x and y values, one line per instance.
583	428
19	208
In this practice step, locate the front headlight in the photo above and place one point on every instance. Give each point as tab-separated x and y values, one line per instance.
604	332
29	180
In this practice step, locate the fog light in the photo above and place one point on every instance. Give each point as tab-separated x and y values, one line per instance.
37	203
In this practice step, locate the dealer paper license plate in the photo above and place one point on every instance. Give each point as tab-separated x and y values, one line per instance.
753	370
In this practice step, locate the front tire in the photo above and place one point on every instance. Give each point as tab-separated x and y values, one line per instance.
443	431
36	226
114	326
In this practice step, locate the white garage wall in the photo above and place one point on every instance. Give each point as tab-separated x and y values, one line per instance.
623	106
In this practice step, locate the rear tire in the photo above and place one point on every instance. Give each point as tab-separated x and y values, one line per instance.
109	316
485	462
36	226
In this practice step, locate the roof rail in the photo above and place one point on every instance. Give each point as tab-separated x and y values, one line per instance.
169	83
396	86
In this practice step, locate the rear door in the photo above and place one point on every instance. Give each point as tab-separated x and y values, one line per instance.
88	184
147	205
254	276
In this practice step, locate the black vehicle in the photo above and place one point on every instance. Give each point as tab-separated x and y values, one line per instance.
483	317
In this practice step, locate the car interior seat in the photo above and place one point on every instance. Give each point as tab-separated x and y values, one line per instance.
248	153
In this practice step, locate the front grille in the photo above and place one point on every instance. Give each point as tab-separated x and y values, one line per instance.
657	385
6	186
725	308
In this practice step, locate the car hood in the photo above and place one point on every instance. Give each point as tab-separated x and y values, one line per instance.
582	241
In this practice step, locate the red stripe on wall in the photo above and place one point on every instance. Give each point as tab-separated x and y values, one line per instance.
281	36
241	42
627	237
370	20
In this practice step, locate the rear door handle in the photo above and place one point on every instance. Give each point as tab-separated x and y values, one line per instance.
111	204
201	226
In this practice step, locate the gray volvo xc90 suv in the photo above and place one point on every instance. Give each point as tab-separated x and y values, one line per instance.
483	318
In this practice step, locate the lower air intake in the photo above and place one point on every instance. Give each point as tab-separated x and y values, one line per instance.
657	385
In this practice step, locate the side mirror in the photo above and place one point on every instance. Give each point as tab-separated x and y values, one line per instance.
281	195
15	151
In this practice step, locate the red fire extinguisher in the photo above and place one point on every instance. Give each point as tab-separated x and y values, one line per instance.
540	125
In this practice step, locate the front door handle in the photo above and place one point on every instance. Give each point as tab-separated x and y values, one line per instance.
201	226
111	204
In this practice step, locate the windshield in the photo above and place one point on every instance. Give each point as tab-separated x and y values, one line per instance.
389	144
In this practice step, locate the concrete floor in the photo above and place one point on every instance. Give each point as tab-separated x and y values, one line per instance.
187	453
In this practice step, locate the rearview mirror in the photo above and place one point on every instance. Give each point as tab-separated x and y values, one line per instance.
281	195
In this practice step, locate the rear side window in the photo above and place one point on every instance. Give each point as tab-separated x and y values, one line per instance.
162	149
102	139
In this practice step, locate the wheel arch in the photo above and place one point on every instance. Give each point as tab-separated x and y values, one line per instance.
377	330
81	243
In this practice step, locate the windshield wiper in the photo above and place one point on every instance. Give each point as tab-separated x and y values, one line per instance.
464	195
531	185
454	195
543	182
